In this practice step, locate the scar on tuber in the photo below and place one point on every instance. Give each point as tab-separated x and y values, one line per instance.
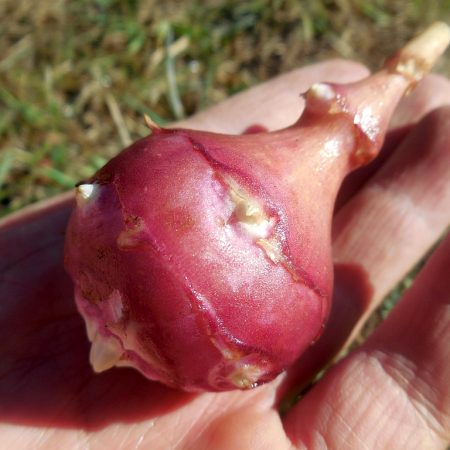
204	260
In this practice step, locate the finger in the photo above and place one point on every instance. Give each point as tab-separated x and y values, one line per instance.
274	104
394	391
401	212
431	93
381	233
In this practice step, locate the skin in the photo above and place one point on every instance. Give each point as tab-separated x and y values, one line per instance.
391	392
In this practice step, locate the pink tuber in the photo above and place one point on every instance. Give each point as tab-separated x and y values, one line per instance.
203	260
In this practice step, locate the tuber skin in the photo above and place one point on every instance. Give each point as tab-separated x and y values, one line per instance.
204	260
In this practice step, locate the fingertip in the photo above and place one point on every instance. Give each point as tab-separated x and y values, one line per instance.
431	93
275	103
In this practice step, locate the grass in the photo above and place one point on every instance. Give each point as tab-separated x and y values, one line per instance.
76	77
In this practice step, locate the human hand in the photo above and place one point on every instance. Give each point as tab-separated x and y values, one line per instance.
390	393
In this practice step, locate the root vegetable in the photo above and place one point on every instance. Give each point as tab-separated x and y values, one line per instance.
203	260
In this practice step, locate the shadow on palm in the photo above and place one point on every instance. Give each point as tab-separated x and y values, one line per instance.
46	379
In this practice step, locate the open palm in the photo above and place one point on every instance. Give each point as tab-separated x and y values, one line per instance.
393	392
